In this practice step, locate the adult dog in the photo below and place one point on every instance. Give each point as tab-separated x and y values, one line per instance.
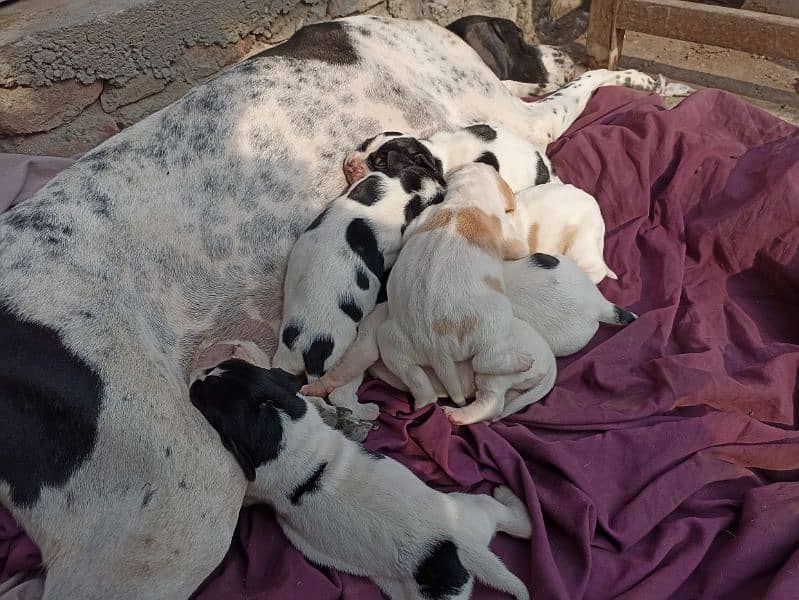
172	235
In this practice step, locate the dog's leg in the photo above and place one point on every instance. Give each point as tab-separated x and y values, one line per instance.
395	351
555	114
447	373
521	89
513	519
347	396
342	419
485	407
501	361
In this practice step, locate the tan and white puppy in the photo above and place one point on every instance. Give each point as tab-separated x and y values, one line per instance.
350	509
446	301
550	293
559	218
516	159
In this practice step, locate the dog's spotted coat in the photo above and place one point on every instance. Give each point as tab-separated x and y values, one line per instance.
175	234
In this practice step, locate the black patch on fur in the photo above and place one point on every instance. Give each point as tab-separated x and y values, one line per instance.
290	333
623	317
244	404
348	305
49	405
483	132
326	42
541	172
373	454
489	158
413	209
367	191
316	355
148	495
308	486
362	279
318	220
362	241
397	156
544	261
441	573
382	293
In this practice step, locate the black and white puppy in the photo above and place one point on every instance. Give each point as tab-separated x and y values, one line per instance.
524	69
335	270
346	508
518	161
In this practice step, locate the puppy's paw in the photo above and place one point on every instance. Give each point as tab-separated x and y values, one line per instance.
673	89
368	411
316	388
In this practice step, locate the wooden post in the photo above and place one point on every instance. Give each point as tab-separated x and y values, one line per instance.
603	40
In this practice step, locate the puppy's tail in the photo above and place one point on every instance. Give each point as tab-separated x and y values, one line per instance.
487	568
616	315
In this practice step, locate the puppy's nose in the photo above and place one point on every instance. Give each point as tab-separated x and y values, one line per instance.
354	169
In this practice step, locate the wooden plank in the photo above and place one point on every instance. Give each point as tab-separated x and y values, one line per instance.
603	40
772	35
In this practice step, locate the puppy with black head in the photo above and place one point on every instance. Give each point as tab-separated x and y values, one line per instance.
336	266
346	508
518	161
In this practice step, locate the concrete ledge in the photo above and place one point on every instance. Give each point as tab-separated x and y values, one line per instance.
74	72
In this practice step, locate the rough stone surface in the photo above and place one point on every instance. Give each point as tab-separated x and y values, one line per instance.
30	110
88	129
74	71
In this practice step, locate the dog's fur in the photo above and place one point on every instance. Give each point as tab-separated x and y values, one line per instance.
172	235
518	161
525	69
336	266
446	303
559	218
353	510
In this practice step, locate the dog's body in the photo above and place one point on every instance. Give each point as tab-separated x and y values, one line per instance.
336	266
524	69
559	218
446	301
518	161
171	235
349	509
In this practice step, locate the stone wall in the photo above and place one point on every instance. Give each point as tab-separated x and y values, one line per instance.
74	72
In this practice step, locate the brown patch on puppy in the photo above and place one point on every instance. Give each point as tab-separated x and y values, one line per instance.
566	239
514	249
459	329
440	219
495	284
532	238
481	229
507	193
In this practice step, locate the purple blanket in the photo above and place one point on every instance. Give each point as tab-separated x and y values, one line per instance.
665	463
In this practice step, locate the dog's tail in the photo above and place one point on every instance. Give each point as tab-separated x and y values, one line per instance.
616	315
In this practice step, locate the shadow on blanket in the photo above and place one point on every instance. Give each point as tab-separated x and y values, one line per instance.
666	460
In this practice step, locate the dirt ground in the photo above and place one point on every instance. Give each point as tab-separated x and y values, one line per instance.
770	84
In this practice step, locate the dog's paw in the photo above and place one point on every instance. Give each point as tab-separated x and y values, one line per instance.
673	89
368	412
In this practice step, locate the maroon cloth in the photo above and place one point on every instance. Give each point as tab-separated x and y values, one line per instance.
665	462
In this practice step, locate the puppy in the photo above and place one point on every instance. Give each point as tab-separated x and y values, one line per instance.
525	69
349	509
446	302
518	162
558	218
550	293
335	269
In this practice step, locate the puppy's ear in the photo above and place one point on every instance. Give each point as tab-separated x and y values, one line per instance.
291	383
507	194
223	416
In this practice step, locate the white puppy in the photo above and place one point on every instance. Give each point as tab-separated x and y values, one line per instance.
518	161
558	218
335	269
446	300
346	508
550	293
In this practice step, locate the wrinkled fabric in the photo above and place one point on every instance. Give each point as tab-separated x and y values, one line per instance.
665	462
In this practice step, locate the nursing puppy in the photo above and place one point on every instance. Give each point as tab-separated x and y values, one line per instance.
550	293
349	509
518	161
335	268
558	218
446	302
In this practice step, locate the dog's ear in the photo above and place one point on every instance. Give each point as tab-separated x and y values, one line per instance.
507	193
227	418
290	382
